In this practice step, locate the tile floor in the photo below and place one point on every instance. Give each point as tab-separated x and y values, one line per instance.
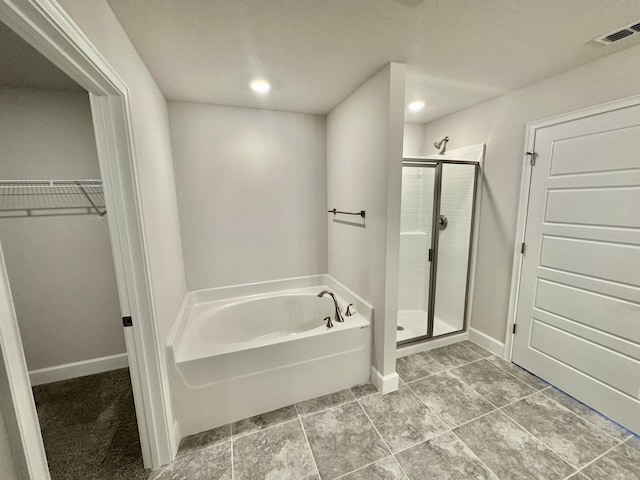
460	413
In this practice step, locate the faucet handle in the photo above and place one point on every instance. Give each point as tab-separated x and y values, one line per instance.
348	313
329	322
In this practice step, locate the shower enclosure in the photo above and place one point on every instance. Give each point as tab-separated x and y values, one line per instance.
436	228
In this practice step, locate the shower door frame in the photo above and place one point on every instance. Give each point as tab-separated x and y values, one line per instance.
437	163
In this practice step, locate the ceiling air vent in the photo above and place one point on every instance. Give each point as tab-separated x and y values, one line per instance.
619	34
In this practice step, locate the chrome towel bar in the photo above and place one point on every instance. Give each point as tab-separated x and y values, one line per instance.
334	211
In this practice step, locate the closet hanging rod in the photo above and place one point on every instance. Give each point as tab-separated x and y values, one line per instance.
334	211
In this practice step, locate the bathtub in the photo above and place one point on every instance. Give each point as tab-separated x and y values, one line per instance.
241	351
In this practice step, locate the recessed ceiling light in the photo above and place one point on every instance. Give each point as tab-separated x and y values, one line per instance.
260	86
416	105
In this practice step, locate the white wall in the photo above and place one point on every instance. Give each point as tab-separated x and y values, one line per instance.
501	124
60	267
413	139
364	167
157	196
150	123
252	193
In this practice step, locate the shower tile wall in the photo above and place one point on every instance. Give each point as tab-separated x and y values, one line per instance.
415	237
456	204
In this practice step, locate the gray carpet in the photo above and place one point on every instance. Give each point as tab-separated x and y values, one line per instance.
89	428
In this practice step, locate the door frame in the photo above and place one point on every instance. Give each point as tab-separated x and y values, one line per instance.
50	30
525	192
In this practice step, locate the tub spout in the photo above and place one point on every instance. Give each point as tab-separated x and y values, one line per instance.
335	304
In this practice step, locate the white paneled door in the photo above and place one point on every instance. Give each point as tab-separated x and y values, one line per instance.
578	310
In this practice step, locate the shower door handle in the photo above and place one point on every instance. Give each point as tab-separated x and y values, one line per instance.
430	255
442	222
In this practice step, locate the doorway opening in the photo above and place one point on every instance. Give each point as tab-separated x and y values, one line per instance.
436	231
54	231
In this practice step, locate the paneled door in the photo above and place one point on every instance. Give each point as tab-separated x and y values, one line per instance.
578	309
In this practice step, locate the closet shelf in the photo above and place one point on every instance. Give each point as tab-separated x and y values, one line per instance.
36	198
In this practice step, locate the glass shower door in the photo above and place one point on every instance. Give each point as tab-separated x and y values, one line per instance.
436	225
456	211
416	227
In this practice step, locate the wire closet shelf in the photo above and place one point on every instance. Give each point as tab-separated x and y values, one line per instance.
37	198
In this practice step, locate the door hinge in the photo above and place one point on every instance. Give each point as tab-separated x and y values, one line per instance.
522	248
430	255
514	329
127	321
532	157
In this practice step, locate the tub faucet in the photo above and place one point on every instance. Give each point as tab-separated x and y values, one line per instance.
335	303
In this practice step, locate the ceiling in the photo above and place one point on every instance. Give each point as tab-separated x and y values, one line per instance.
315	52
23	66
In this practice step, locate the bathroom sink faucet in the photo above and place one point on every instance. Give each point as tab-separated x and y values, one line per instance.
335	303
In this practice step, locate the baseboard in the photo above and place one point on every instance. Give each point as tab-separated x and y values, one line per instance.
431	344
176	437
385	383
484	340
78	369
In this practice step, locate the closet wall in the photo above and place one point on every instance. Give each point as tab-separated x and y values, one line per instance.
60	267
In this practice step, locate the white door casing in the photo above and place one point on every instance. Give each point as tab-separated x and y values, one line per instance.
48	28
578	295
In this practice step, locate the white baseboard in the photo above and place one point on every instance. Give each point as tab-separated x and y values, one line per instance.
385	383
175	438
484	340
431	344
78	369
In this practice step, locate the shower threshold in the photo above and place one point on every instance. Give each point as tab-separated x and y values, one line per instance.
414	324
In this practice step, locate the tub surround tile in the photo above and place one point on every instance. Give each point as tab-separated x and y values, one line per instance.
443	458
204	439
265	420
520	373
493	383
416	366
342	440
483	352
454	355
208	463
577	476
278	452
569	435
401	418
326	401
363	390
621	463
451	399
588	414
511	452
385	469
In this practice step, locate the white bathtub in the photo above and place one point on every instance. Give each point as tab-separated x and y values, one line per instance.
241	351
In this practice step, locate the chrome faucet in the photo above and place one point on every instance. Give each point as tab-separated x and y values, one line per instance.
335	303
